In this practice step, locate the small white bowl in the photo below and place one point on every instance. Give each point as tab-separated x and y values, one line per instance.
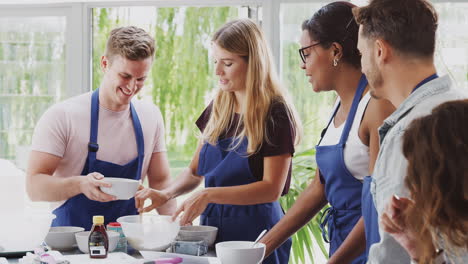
122	188
82	240
235	252
62	237
193	233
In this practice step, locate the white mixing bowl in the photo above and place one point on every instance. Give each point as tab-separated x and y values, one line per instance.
149	232
23	231
122	188
62	237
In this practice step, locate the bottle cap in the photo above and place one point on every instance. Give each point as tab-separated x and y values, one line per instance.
114	224
98	219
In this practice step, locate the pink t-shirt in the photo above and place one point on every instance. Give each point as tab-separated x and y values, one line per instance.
64	131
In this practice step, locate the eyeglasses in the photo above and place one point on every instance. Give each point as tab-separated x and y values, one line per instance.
301	51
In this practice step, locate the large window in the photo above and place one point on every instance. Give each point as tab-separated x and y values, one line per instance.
51	52
313	108
452	42
32	66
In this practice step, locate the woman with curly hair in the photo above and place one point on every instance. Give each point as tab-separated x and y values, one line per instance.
432	225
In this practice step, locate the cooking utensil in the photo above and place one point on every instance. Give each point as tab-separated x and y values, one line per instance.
259	237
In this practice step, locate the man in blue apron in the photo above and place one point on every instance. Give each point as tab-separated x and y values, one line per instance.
101	134
397	42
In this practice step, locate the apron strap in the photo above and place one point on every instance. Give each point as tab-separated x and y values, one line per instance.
93	145
324	131
349	120
329	219
324	220
139	139
352	112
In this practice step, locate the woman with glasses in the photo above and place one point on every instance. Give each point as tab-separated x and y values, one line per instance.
349	143
248	135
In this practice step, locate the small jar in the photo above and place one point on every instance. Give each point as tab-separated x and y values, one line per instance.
98	242
122	244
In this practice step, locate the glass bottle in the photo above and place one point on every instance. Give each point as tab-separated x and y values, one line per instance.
98	241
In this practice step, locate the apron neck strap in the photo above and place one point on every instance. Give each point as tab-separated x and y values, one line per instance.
93	145
139	138
428	79
352	112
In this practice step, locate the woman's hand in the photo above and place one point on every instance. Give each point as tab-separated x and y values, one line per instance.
158	198
393	222
192	207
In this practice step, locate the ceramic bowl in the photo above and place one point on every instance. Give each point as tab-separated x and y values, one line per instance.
23	231
62	237
82	240
149	232
122	188
197	233
235	252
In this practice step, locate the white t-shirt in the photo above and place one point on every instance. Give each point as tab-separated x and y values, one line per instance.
64	131
356	154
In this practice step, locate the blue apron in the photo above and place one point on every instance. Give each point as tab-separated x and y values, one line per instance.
223	167
79	210
369	213
342	189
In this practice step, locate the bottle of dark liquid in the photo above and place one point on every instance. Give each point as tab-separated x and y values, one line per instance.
98	241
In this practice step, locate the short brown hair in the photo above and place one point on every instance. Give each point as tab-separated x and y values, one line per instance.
409	26
131	42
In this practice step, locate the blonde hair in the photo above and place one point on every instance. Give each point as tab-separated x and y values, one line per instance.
244	38
131	42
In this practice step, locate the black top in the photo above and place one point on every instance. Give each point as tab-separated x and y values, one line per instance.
280	134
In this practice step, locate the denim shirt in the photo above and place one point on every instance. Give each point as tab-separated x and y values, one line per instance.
391	165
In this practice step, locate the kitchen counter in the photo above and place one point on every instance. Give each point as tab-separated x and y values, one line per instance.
76	257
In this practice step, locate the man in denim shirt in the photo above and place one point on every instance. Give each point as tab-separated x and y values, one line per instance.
397	42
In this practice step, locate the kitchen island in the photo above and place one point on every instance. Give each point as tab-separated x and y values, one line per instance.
136	257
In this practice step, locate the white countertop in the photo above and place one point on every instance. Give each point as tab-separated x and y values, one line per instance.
122	258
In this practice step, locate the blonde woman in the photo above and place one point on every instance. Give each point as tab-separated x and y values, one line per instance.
248	136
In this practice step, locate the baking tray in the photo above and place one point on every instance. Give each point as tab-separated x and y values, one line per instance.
14	254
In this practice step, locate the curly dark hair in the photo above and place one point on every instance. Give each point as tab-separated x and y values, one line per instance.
436	147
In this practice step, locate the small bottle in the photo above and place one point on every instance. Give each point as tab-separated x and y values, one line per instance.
98	241
122	244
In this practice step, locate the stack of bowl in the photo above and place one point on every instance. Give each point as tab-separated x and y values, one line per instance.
198	233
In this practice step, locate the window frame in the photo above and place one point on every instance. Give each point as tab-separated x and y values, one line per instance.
79	19
73	59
